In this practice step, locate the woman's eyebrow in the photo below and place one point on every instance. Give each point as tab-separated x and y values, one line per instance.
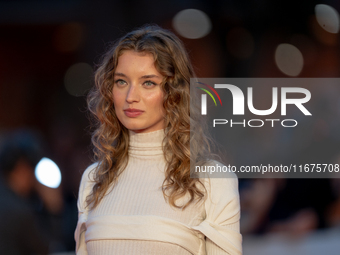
119	74
149	76
142	77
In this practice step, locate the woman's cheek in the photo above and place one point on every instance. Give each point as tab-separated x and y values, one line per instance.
118	98
155	98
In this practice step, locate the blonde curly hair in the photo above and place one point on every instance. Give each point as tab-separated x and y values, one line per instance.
111	139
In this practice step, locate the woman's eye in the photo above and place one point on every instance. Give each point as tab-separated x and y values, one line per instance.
120	82
149	83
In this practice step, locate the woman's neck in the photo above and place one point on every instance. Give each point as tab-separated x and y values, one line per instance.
146	143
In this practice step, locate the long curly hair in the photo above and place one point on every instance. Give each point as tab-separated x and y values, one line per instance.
184	144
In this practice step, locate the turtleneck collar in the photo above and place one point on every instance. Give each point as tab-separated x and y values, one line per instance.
147	144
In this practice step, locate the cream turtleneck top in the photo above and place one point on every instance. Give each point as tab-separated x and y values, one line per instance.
134	218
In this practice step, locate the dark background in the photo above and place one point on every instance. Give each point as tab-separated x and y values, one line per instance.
41	89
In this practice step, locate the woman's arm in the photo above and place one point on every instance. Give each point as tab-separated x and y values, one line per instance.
221	226
213	249
84	190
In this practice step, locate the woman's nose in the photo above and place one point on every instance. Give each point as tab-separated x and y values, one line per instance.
133	94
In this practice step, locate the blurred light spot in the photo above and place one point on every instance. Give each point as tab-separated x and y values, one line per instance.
78	79
192	23
68	37
48	173
327	17
321	34
289	59
240	43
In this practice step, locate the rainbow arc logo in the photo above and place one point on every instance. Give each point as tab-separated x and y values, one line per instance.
204	97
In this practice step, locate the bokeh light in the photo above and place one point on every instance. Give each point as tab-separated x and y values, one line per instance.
78	79
328	18
48	173
289	59
192	23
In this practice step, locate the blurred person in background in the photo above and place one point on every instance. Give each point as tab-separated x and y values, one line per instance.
21	232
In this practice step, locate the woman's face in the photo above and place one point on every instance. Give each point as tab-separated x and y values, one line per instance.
137	95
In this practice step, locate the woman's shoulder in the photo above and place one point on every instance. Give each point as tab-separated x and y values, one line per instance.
217	176
89	173
86	184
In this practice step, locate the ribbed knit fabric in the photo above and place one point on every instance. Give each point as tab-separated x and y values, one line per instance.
137	198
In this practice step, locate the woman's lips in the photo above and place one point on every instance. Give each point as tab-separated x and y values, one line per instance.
133	112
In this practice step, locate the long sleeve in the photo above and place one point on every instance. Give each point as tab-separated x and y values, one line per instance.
213	249
221	226
84	191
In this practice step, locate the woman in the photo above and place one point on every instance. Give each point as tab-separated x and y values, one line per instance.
139	198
